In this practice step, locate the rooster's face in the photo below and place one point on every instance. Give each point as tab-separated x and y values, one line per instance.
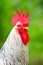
21	21
23	32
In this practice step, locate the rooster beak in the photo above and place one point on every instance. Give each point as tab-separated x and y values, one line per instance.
26	28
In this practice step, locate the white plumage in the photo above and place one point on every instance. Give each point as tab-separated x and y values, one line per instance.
14	52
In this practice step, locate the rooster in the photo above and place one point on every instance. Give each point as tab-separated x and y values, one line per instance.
15	48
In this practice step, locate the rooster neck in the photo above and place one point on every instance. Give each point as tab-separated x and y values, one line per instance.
12	44
13	49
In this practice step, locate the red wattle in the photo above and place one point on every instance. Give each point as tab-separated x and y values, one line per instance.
25	37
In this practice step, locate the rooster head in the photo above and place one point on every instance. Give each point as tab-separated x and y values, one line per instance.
21	21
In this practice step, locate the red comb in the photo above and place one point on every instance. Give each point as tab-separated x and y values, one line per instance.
23	18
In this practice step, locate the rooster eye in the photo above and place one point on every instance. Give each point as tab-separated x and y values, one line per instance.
19	25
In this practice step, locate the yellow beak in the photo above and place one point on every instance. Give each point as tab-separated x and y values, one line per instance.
26	28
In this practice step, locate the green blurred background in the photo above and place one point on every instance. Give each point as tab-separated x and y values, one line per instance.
35	9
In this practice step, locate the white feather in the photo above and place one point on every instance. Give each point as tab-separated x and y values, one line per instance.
13	50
